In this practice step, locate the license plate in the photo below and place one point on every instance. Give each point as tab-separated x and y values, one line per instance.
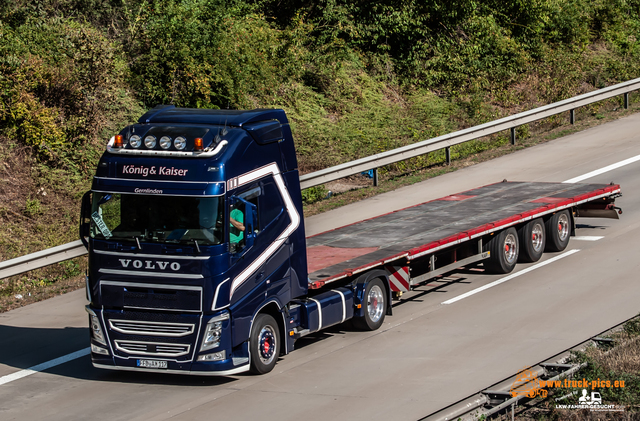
152	364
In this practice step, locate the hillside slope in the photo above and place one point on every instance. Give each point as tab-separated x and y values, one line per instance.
355	79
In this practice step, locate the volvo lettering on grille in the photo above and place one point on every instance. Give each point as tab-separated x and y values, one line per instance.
149	264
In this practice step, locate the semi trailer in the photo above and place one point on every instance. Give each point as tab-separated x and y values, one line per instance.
199	264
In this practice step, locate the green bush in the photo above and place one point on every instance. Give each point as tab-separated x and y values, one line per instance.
356	78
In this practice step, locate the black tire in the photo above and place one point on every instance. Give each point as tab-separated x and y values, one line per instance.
532	237
558	228
264	344
504	249
375	300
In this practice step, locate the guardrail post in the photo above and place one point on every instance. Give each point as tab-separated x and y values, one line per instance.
626	100
513	136
447	152
375	177
572	116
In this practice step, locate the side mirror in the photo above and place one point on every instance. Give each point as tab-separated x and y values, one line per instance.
85	210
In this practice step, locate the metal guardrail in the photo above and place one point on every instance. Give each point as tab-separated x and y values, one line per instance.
42	258
508	123
70	250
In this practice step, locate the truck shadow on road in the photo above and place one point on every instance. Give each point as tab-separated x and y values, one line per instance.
26	347
436	285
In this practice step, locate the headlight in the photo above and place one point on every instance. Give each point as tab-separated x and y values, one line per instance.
213	332
135	141
180	143
150	142
165	142
96	329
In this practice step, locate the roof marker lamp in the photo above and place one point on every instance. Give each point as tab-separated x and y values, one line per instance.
180	143
150	142
165	142
197	144
118	142
135	141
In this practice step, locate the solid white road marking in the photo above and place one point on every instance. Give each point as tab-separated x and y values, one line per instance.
603	170
44	366
510	277
587	237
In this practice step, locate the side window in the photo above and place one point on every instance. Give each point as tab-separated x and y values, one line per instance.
271	204
243	219
251	211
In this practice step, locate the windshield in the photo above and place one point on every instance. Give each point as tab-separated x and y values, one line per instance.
161	219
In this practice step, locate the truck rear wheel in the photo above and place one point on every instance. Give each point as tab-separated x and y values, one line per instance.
504	249
558	230
375	299
532	238
264	344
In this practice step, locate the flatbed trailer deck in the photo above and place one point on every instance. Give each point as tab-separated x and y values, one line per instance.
399	238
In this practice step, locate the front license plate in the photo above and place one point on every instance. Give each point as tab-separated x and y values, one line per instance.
152	364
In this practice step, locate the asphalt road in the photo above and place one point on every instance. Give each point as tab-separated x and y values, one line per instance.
425	357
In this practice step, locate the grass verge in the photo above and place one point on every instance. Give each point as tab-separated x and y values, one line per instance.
465	155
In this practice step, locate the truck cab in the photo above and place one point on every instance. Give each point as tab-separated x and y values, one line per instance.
194	216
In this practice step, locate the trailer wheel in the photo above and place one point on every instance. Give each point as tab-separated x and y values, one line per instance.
375	297
532	238
504	249
558	228
264	344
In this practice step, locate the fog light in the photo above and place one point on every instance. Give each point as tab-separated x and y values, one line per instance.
215	356
150	142
180	143
165	142
98	350
135	141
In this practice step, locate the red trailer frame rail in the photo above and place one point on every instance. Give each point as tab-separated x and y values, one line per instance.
403	238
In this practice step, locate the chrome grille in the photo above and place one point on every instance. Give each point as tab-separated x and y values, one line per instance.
153	349
134	327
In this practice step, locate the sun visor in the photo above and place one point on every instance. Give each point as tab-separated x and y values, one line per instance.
265	131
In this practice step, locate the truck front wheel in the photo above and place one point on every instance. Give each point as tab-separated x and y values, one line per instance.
504	249
375	299
264	344
558	228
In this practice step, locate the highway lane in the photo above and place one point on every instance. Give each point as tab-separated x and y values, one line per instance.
425	357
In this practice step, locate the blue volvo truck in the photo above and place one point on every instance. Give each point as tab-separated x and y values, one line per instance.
198	261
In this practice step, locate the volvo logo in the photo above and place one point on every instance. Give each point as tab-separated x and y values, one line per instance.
149	264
